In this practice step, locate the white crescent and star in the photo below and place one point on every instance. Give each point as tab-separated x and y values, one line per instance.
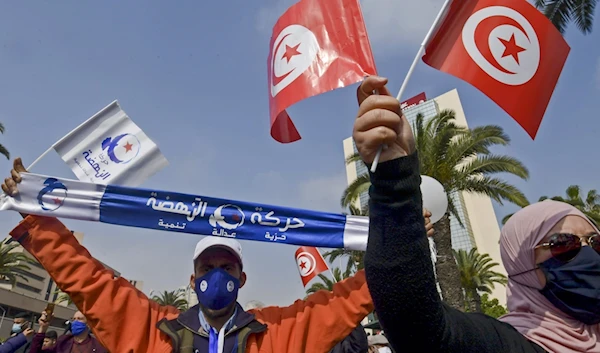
515	50
294	51
306	263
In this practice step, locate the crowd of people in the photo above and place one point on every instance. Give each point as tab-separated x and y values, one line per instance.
77	338
551	252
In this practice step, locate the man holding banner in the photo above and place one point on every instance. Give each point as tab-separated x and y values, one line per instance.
125	320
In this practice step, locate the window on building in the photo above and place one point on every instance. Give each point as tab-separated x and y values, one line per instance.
49	289
29	288
28	274
38	265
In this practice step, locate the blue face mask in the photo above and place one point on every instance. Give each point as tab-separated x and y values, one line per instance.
16	328
77	327
574	286
217	289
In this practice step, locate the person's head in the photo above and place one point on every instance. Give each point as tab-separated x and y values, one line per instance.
20	322
254	304
551	253
218	275
79	324
50	340
379	344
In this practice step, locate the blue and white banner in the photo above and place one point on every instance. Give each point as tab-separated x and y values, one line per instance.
163	210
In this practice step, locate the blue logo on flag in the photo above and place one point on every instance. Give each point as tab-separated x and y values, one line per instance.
122	149
53	195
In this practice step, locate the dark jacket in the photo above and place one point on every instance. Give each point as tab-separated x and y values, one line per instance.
402	282
356	342
14	344
64	344
187	333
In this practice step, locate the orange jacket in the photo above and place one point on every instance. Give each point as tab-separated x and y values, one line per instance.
124	319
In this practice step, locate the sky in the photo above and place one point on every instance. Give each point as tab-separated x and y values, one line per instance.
193	77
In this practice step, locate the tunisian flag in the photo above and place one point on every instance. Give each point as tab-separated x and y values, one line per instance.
316	46
310	263
507	49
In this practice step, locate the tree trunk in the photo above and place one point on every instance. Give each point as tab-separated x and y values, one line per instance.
474	301
447	271
477	300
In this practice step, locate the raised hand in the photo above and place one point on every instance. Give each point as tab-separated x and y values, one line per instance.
10	184
380	121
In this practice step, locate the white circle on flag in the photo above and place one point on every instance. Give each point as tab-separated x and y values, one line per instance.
515	51
126	148
203	286
52	200
306	263
294	51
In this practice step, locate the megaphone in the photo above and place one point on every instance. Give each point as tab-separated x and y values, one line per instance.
435	198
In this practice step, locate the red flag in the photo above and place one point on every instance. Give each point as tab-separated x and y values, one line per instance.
310	263
316	46
508	50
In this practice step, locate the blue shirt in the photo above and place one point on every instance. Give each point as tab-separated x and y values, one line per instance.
216	338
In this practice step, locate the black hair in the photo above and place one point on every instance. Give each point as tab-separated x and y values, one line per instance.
52	335
23	315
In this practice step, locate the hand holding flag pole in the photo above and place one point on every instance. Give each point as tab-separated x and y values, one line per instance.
434	26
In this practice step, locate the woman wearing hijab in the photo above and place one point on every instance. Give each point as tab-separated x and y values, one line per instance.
550	251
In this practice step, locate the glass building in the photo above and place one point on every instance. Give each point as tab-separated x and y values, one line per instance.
462	235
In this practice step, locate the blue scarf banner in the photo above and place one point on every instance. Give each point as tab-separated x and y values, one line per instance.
176	212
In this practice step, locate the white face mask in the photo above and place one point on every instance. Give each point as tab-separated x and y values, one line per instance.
384	350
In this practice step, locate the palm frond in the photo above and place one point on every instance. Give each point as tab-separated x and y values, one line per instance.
496	189
583	15
354	158
4	152
493	164
559	13
355	189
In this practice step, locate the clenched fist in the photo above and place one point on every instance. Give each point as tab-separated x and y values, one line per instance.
380	121
10	184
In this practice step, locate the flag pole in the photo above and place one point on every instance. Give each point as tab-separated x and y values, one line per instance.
69	135
411	70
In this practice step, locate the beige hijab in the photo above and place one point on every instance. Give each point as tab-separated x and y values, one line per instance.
529	311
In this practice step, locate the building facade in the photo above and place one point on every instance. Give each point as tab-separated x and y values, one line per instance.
479	223
32	295
189	294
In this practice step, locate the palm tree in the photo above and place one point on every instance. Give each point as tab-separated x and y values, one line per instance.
3	149
356	259
63	298
327	282
13	263
590	206
461	160
172	298
476	276
561	12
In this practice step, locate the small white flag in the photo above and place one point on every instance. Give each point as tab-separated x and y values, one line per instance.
109	148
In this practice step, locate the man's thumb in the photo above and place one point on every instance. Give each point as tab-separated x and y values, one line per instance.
18	165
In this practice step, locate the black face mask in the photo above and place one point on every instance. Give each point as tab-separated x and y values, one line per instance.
574	286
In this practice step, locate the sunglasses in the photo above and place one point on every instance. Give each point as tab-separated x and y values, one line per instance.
565	247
